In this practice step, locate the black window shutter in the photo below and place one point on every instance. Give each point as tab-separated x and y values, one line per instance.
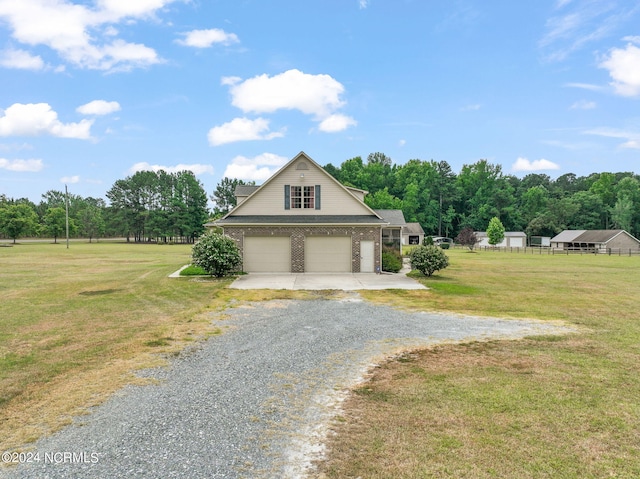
287	197
317	197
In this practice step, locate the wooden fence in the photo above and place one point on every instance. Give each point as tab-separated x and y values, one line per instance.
552	251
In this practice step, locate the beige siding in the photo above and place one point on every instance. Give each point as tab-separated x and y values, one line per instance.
623	241
334	199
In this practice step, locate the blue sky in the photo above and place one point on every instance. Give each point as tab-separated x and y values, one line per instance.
93	91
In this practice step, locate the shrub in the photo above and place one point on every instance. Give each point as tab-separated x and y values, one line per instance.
217	254
428	259
445	245
428	241
391	260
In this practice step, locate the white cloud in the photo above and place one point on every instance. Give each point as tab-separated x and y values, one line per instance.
584	86
71	180
21	60
242	129
632	138
363	4
206	38
583	105
402	142
31	166
98	107
582	23
196	168
623	65
473	107
317	95
33	119
336	122
81	35
523	164
259	168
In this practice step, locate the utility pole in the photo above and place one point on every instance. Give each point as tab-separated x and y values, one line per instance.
66	209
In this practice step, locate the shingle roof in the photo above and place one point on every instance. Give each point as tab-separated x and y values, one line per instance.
597	236
245	190
300	219
413	229
393	217
586	236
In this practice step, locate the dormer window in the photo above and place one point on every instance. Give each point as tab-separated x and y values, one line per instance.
301	197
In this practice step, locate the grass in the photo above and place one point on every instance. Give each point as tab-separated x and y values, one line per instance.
76	323
546	406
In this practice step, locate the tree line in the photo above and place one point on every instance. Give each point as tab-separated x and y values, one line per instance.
161	206
430	193
147	206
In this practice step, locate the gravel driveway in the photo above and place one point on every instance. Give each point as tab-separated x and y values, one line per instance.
254	401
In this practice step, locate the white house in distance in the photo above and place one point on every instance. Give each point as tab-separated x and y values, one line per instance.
303	220
595	240
512	239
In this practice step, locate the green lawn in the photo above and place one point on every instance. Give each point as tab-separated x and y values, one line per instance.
74	324
556	407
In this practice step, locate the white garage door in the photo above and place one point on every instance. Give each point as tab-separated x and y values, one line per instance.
327	254
267	254
516	243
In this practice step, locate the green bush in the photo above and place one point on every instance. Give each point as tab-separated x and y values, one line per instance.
428	259
217	254
445	245
391	260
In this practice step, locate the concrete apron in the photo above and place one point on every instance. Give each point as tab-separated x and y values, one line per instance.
324	281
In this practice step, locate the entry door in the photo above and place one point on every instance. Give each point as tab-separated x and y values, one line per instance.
366	257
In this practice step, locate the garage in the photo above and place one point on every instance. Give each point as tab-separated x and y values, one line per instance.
267	254
327	254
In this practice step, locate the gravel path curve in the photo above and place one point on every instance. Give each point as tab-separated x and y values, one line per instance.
254	401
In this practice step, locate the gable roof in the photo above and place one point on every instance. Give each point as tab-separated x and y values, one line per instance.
253	191
589	236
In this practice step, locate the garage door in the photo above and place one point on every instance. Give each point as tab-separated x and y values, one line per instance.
267	254
327	254
516	243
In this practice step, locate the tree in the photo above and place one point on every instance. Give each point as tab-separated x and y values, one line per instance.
224	195
55	220
467	237
428	259
495	231
92	224
17	220
217	254
383	200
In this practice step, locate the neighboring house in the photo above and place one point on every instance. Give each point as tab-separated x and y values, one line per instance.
512	239
412	234
595	240
303	220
